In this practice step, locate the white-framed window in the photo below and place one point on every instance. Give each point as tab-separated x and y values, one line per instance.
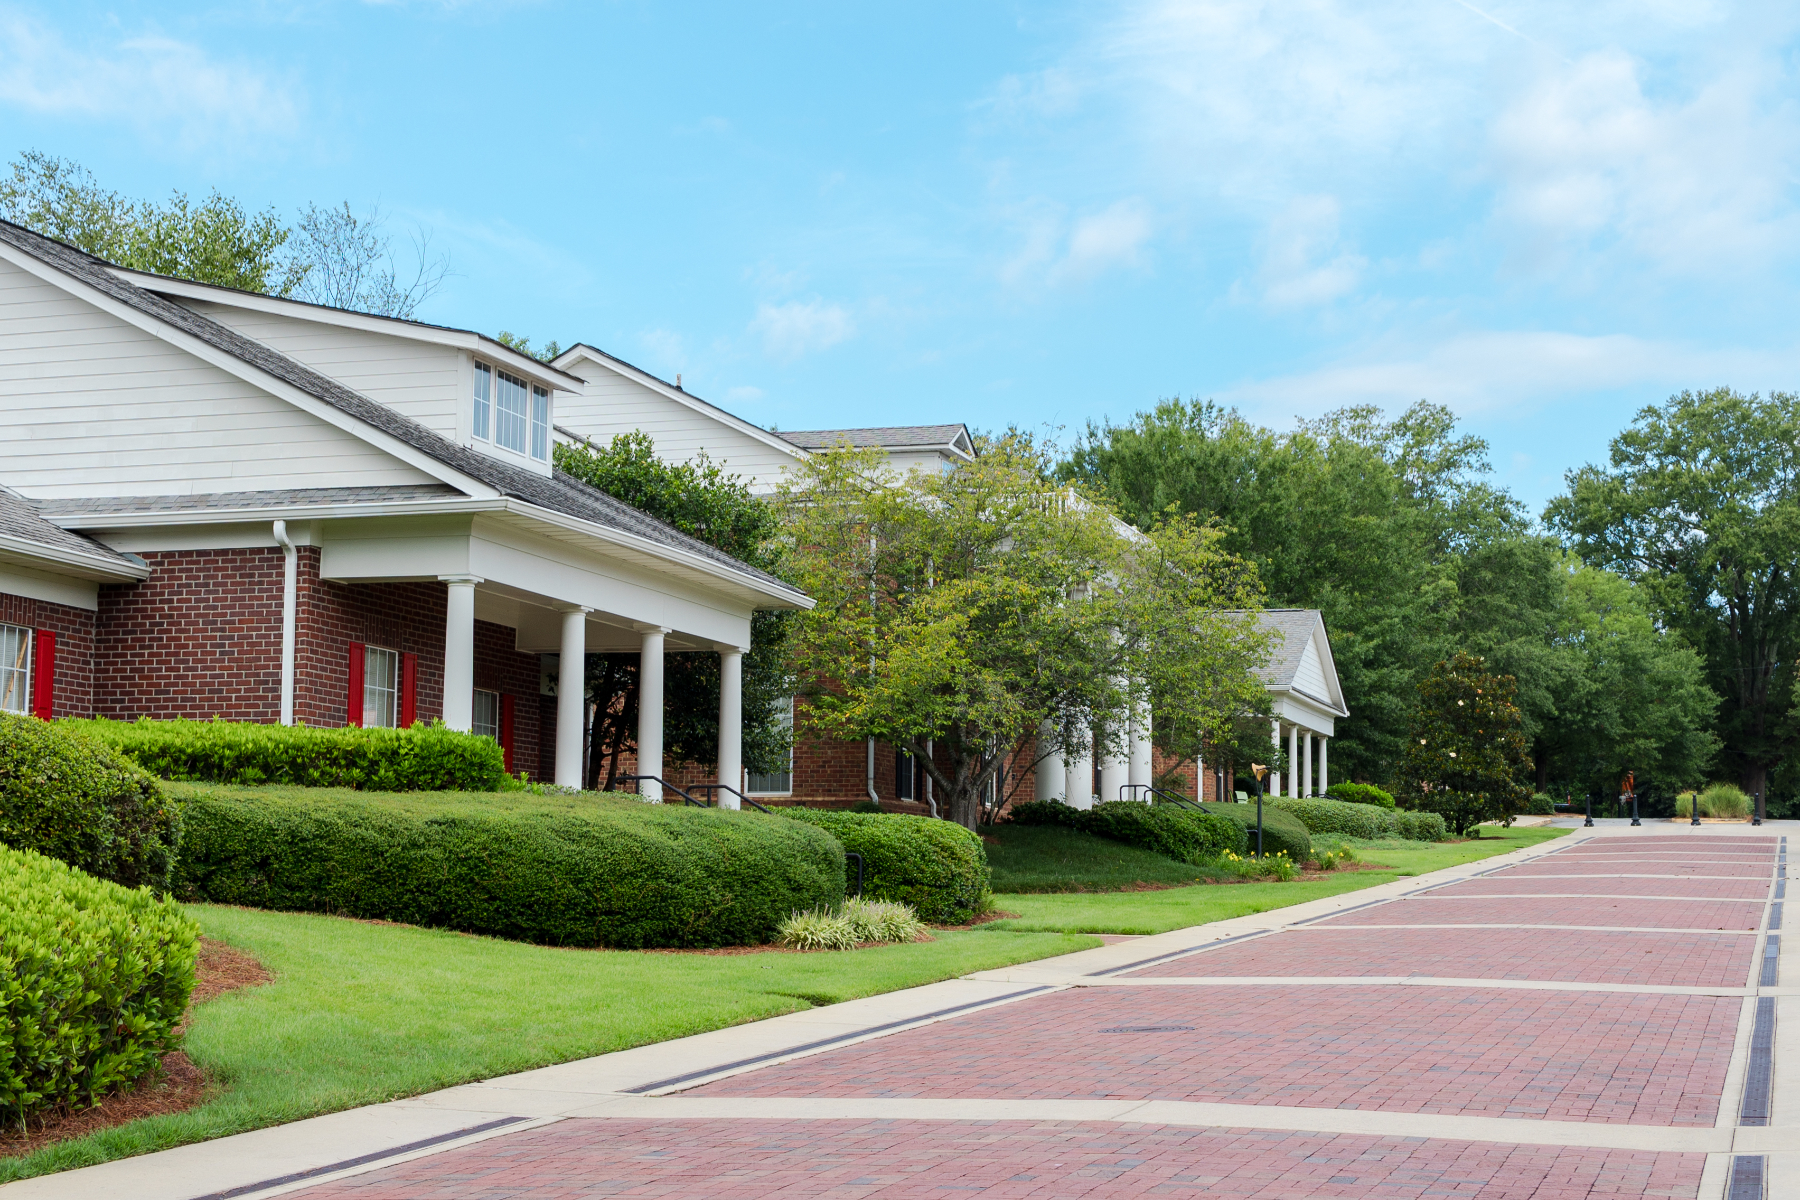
15	669
517	412
381	688
776	783
487	714
904	776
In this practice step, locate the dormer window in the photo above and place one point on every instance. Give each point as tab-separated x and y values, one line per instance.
518	412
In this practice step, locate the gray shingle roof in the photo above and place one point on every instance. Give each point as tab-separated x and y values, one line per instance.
559	493
19	520
99	506
1294	627
887	437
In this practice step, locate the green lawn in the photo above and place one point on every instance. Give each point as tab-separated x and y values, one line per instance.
1043	858
361	1013
1177	908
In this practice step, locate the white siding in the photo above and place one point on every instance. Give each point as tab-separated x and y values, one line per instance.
1309	677
94	406
418	379
613	404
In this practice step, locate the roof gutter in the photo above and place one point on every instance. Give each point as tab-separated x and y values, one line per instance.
110	569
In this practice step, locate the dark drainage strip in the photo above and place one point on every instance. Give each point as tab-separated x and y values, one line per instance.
1156	958
1149	1029
1746	1178
1775	916
823	1042
1755	1109
377	1156
1771	960
1781	888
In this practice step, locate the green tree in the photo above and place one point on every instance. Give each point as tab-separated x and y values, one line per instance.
1465	756
703	501
1700	506
973	608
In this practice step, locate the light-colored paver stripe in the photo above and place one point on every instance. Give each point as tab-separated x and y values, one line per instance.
1524	985
1523	925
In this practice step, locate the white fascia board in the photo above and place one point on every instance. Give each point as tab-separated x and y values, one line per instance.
71	562
441	335
1298	708
680	396
1322	641
56	588
254	376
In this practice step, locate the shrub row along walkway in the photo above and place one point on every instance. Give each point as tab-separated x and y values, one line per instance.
1599	1016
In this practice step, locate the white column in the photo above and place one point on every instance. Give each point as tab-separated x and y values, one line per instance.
1052	776
1293	771
731	722
650	709
1143	758
1078	778
1200	779
1306	749
1324	777
571	694
459	652
1115	767
1274	788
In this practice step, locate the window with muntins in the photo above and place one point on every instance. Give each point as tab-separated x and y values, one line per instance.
381	688
487	714
776	783
516	412
903	776
15	669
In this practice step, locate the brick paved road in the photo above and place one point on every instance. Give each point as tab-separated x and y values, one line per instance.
1598	1059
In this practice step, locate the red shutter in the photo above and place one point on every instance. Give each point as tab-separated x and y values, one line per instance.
506	730
353	702
409	690
43	672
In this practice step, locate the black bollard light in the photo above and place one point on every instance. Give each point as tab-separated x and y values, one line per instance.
1589	801
1634	812
1756	814
1694	803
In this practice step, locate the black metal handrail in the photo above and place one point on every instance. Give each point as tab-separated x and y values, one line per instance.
665	783
1167	796
710	788
859	869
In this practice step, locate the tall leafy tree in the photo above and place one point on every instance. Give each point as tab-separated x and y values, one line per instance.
974	609
1465	754
702	500
1700	505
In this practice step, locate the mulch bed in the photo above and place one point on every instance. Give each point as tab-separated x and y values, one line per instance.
176	1084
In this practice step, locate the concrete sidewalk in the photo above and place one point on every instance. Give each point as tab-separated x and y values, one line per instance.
1198	1048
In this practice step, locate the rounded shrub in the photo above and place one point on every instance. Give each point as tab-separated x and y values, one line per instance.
1421	826
936	866
94	979
1338	817
80	802
1360	793
1540	805
1724	800
424	758
622	875
1175	831
1282	831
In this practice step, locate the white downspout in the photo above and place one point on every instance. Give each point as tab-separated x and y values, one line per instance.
929	798
289	586
871	785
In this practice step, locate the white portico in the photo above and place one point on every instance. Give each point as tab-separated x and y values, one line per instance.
1306	697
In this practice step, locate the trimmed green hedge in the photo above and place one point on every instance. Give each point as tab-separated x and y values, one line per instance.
1183	834
79	802
1360	793
618	874
936	866
425	758
94	978
1281	830
1363	820
1541	805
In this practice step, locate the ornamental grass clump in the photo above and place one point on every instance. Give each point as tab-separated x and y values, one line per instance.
817	929
853	923
1721	800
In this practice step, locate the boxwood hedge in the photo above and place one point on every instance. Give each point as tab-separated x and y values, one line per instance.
423	758
81	803
94	979
1360	793
1183	834
1362	820
1281	831
936	866
595	873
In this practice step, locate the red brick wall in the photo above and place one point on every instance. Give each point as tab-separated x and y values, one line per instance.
501	668
74	628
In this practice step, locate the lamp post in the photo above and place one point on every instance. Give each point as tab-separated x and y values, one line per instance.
1257	771
1756	814
1589	801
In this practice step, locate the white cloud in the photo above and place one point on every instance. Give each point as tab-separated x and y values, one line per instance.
1299	267
744	394
1110	238
170	91
1055	250
1490	371
798	328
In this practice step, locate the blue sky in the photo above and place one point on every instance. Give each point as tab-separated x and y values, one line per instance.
1543	215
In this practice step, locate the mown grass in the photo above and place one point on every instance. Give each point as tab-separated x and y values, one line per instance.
361	1013
417	803
1044	858
1176	908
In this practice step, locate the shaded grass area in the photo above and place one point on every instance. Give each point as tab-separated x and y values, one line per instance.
1177	908
1045	858
361	1012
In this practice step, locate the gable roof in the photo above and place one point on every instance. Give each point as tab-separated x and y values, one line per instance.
559	493
1299	630
954	438
24	534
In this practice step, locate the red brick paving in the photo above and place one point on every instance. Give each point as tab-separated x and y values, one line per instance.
1571	956
1004	1160
1566	1056
1638	866
1609	885
1531	910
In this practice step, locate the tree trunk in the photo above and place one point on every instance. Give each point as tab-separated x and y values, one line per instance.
1756	779
1543	768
